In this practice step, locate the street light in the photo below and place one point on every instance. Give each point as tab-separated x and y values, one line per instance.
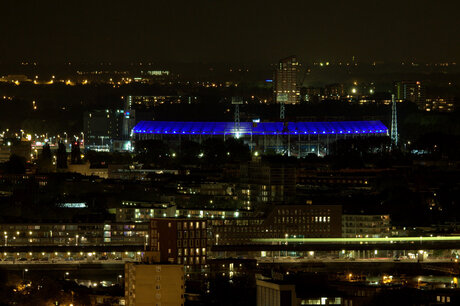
286	236
146	242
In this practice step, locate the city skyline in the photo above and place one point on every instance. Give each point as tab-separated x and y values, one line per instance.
270	153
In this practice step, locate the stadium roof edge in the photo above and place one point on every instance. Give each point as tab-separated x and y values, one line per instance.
262	128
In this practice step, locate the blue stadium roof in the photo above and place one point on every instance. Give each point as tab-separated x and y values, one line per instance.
262	128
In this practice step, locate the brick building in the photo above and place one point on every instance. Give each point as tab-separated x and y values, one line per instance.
180	241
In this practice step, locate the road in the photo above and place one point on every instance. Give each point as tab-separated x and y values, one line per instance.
344	260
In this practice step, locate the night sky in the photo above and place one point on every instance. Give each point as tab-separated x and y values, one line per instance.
228	31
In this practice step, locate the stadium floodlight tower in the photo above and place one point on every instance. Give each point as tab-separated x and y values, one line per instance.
237	101
282	98
394	122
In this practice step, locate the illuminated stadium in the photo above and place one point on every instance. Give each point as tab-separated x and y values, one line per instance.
298	138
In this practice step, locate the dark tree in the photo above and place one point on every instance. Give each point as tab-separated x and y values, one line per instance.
75	154
61	157
237	151
103	159
151	151
189	152
15	165
214	151
45	160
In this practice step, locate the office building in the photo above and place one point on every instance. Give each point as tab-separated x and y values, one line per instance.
313	94
283	221
286	87
154	284
267	182
74	234
149	102
446	105
137	108
365	226
412	91
180	241
101	128
334	91
139	211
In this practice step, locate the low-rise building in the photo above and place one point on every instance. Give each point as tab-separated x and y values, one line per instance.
154	284
141	211
361	225
283	221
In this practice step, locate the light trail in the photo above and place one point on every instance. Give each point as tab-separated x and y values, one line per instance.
359	240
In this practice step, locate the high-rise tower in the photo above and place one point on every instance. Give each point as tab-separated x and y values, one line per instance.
286	88
412	91
394	122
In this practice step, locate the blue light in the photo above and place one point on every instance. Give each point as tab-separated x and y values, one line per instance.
262	128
